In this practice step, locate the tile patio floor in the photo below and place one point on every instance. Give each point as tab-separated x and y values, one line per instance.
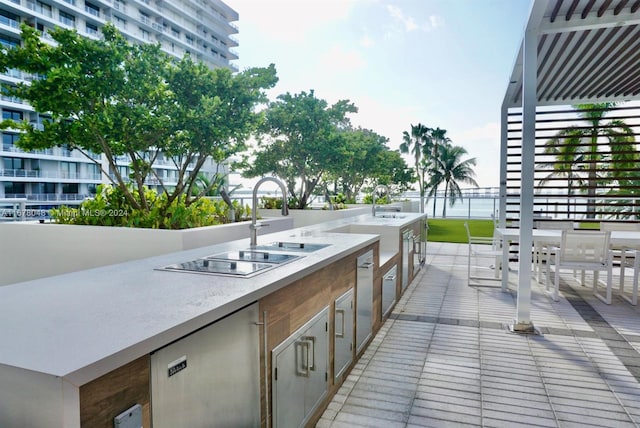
445	358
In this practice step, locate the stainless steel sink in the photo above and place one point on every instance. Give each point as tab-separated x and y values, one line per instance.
256	256
220	267
291	246
390	215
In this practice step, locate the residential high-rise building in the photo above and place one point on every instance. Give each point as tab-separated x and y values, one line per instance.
52	177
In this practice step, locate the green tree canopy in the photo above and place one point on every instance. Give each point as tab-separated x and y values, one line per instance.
367	159
300	142
580	151
449	169
418	143
109	97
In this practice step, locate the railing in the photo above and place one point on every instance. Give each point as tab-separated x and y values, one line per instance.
49	197
39	9
9	22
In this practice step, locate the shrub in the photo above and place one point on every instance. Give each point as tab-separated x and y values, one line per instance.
109	207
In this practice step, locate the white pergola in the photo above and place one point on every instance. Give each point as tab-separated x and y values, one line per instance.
572	52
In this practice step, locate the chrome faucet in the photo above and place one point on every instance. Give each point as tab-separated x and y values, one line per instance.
254	211
375	190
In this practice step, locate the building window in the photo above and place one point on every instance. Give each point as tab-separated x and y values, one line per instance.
8	42
119	5
43	188
9	141
67	18
189	39
11	188
144	34
69	170
12	114
69	188
119	22
9	19
13	164
144	18
175	33
40	7
92	29
91	9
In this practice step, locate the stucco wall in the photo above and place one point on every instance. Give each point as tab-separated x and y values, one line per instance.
31	250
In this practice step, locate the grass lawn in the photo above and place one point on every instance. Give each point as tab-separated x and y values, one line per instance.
452	230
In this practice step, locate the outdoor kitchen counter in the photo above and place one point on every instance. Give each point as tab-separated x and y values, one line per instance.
81	325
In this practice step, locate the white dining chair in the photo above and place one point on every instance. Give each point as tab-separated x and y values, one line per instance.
541	248
631	260
583	250
483	248
625	254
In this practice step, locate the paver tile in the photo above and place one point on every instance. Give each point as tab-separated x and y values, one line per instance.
446	359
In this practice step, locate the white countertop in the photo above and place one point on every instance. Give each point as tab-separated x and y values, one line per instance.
84	324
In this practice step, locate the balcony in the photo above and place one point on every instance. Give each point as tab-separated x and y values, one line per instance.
49	175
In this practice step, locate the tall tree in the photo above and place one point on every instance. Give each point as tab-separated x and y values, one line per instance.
614	132
568	156
449	169
109	97
302	139
418	142
438	137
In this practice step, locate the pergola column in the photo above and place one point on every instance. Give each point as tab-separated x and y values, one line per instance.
523	323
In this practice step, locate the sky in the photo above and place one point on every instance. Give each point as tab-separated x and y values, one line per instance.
442	63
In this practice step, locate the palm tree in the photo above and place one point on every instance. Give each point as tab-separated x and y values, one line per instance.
616	133
439	137
449	169
568	162
418	142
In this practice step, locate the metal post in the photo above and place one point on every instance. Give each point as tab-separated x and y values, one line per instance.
523	323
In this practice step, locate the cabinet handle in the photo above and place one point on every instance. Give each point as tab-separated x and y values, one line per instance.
390	278
367	265
304	371
312	341
342	313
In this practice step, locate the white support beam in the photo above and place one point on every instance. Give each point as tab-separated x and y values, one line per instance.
504	133
523	323
591	22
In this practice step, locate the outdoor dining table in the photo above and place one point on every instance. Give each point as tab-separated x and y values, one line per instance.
618	239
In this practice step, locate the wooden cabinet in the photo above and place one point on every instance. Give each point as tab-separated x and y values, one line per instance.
343	319
300	372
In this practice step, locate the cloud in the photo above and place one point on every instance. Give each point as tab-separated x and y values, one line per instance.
290	20
339	59
366	41
409	23
479	142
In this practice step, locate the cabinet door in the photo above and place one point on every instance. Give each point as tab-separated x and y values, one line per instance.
317	382
289	378
343	333
209	377
299	373
364	299
389	289
407	249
